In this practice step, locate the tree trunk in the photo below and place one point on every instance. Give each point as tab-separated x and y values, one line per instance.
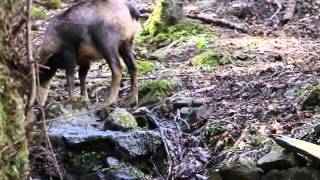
13	143
166	13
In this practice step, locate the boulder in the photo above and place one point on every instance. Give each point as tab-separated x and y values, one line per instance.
279	159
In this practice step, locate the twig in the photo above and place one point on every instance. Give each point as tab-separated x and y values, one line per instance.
32	90
165	143
278	10
47	138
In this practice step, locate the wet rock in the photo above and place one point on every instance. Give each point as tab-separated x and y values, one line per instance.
85	133
112	161
240	172
189	102
121	119
124	173
121	172
195	118
214	176
312	100
278	160
295	173
317	128
241	10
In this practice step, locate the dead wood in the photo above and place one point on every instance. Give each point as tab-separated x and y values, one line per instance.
220	22
290	10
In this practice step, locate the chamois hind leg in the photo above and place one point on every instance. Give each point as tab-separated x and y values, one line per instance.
69	59
107	43
126	52
83	71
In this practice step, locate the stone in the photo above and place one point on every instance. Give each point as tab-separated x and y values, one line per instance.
240	172
294	173
312	100
280	159
84	132
121	119
189	102
214	176
317	128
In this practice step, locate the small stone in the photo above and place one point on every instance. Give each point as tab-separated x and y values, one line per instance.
121	119
112	161
278	160
240	172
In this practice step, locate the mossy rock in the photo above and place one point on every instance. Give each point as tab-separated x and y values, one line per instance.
211	134
210	59
155	91
312	100
121	119
37	13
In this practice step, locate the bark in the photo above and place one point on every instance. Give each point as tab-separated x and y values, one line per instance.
13	143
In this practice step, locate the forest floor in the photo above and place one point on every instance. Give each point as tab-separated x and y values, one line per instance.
260	91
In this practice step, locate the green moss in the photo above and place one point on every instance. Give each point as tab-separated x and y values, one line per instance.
210	59
146	67
181	32
211	134
54	4
121	119
85	160
154	91
37	13
156	23
14	152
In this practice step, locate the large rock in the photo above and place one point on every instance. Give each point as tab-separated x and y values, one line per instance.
121	119
295	173
85	133
240	172
298	146
279	159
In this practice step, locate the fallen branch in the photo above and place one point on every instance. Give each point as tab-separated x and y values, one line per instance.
220	22
278	10
290	9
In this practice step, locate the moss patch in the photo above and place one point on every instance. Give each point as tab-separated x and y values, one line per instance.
210	59
53	4
146	67
154	91
211	134
14	152
37	13
181	32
